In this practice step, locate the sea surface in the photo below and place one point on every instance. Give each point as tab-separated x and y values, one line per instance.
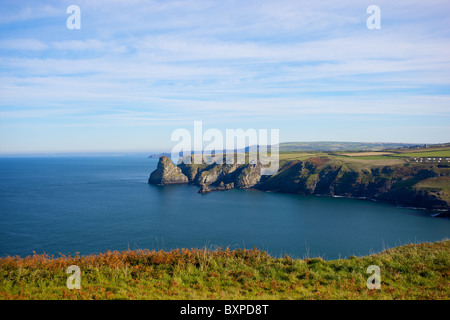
90	205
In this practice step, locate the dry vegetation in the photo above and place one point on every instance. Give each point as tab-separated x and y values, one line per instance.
416	271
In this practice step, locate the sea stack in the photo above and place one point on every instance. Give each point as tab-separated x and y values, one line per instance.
167	173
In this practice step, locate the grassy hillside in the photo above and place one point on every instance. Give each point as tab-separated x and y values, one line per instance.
415	271
437	184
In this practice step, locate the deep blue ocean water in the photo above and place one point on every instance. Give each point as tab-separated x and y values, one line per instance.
94	204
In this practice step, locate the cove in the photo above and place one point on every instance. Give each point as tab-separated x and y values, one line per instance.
94	204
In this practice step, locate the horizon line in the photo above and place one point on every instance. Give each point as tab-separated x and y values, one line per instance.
150	152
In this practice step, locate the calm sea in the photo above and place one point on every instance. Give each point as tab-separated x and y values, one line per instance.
93	204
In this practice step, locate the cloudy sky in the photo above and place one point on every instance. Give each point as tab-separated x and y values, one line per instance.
137	70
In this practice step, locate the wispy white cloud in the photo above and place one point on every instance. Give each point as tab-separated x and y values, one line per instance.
175	61
14	11
23	44
89	45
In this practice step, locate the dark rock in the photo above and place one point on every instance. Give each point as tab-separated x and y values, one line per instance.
204	189
221	187
445	214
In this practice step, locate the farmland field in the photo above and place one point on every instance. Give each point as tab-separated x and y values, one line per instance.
435	153
366	154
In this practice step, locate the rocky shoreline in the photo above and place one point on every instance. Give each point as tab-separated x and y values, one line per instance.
314	176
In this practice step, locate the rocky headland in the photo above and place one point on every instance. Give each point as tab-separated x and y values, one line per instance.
167	173
401	183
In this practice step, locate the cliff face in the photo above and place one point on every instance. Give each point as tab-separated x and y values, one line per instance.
227	176
212	177
167	173
397	184
319	175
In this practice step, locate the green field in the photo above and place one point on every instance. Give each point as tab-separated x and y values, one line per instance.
298	155
443	153
381	157
333	146
414	271
344	155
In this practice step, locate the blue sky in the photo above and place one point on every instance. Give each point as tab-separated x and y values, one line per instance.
137	70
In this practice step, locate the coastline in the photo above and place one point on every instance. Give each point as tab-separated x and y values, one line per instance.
324	176
437	211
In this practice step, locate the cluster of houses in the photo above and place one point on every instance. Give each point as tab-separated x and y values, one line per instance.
431	160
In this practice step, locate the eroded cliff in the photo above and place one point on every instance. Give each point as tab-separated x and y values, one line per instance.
401	183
